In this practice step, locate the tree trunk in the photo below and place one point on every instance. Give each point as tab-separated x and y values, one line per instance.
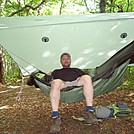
1	66
102	6
62	3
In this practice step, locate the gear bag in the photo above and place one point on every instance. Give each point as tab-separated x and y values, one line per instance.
116	110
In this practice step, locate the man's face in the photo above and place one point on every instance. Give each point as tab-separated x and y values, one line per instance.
65	61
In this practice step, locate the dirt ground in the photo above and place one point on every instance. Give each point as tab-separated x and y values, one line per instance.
32	113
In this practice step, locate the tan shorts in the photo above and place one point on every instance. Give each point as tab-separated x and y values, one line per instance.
68	85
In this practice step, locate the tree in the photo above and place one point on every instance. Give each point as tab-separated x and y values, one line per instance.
1	65
102	6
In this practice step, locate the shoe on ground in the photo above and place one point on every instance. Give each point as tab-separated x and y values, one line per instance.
55	125
90	118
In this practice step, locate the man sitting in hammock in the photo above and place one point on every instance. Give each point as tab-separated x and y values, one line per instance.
67	77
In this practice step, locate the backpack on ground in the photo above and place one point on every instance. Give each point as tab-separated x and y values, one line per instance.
118	109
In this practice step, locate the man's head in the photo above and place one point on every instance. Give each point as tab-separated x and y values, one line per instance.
65	60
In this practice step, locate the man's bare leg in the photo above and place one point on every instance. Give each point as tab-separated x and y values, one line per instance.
56	86
88	90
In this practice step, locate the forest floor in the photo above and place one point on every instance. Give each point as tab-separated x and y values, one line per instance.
32	113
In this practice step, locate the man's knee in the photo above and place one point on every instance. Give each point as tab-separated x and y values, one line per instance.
86	78
56	82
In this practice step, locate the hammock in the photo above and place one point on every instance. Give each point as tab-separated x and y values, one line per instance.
101	86
105	78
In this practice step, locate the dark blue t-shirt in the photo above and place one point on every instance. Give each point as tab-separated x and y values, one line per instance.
67	74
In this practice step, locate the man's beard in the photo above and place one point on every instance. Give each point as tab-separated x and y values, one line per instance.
64	66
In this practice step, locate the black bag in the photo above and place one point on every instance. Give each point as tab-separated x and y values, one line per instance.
47	78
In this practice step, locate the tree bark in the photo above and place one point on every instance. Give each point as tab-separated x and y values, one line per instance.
102	6
1	66
62	2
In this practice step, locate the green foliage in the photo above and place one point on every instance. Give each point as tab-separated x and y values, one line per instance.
57	7
12	71
22	8
120	6
129	77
